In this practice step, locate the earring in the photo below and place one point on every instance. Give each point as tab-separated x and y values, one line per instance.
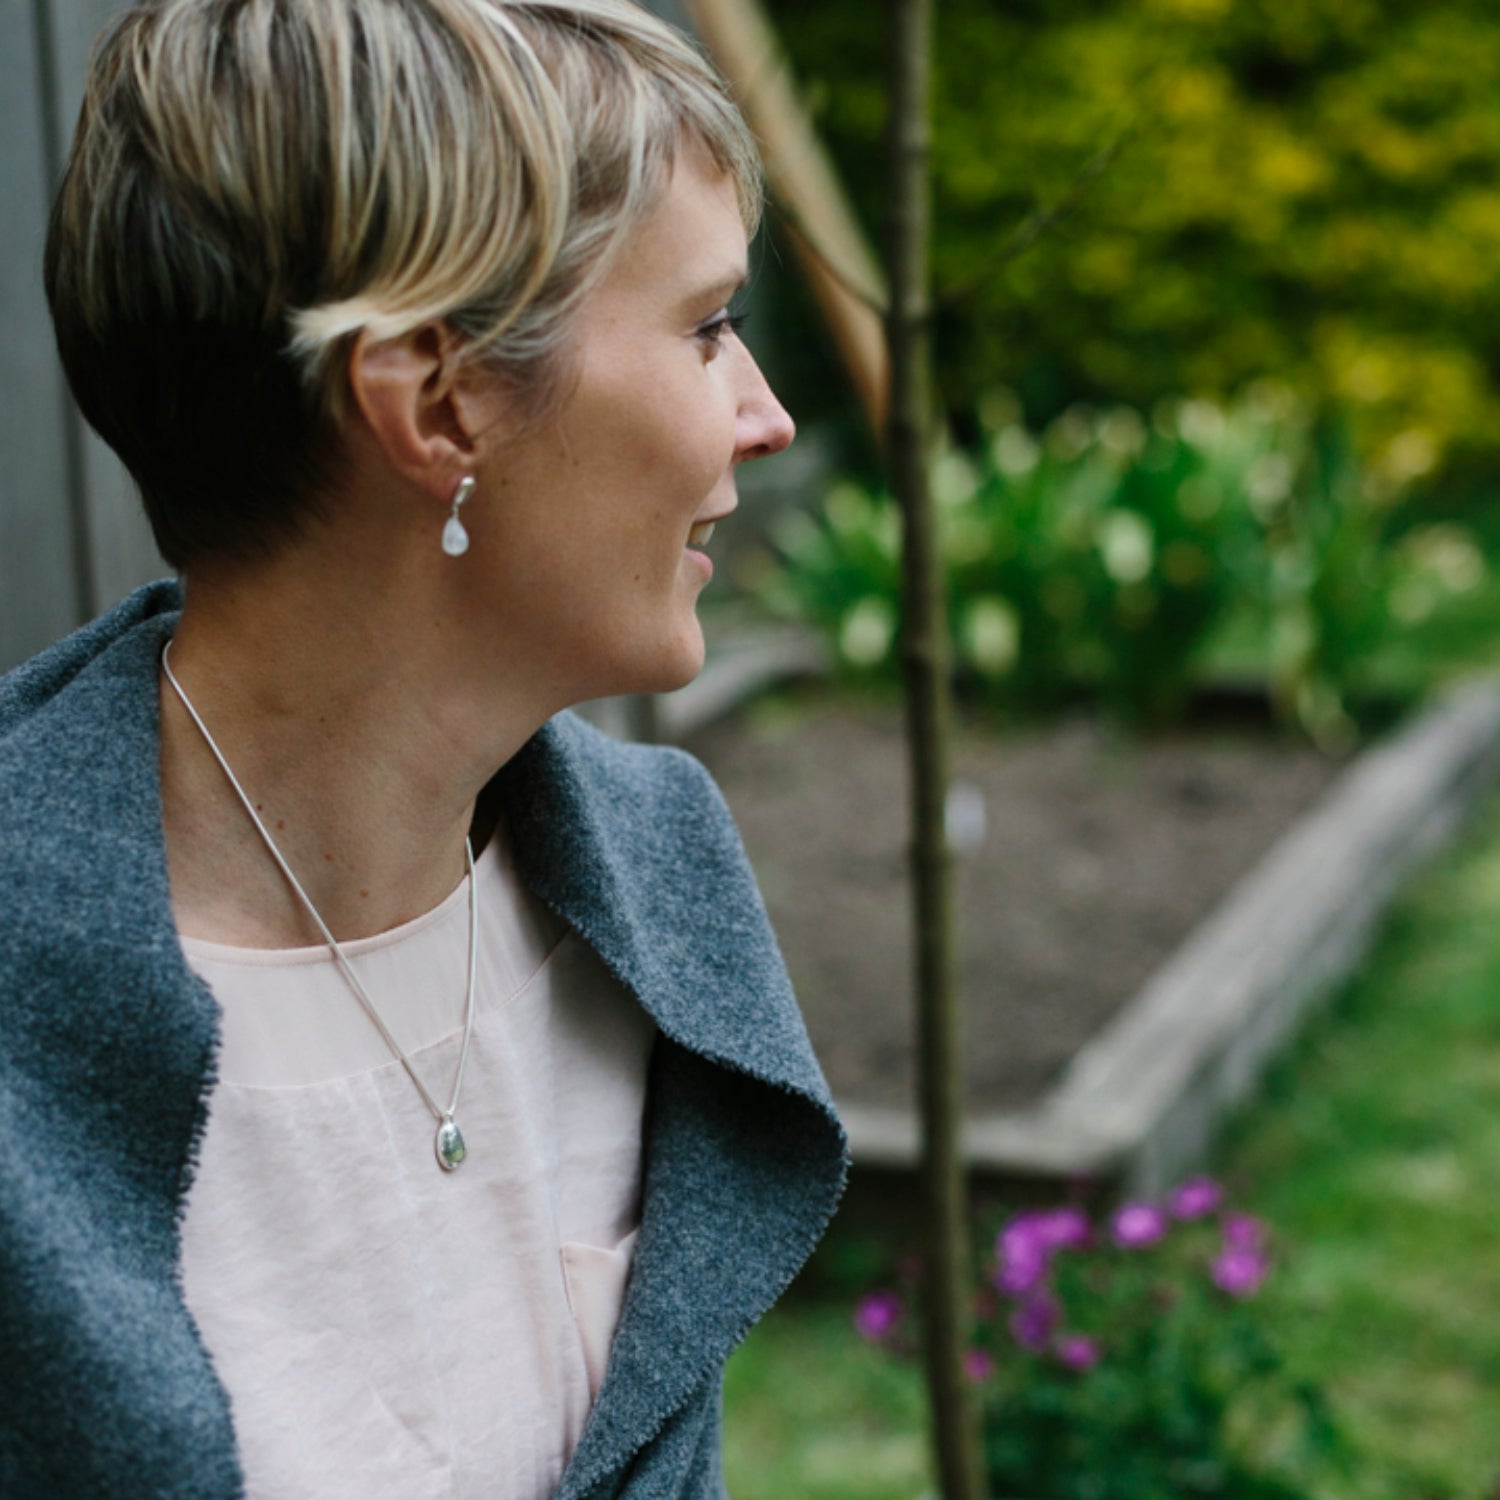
455	538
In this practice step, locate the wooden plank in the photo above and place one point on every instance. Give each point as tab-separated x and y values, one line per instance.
1143	1101
39	591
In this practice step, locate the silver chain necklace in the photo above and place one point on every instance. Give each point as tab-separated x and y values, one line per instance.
449	1141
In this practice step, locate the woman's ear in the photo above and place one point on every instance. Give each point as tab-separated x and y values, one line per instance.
407	392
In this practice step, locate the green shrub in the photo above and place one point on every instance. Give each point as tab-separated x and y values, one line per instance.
1123	1360
1310	191
1102	556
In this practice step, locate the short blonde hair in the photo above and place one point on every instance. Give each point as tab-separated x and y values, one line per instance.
253	183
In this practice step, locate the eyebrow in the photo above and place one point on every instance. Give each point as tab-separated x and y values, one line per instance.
722	289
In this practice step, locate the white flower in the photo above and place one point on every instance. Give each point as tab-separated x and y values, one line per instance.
1200	422
1015	451
1127	545
992	633
1268	482
1071	433
867	631
1122	432
1410	455
954	479
1448	553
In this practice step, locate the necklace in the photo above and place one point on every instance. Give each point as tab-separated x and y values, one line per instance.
449	1141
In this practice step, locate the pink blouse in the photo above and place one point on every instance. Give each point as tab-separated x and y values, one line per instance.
384	1328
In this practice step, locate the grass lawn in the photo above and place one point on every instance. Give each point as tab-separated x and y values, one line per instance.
1375	1154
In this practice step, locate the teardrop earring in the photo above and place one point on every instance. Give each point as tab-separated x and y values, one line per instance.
455	538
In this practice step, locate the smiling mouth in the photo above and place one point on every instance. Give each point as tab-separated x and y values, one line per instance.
699	535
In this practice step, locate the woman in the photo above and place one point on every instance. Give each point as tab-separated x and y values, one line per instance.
400	1090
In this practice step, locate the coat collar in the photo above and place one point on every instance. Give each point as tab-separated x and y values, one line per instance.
745	1156
633	847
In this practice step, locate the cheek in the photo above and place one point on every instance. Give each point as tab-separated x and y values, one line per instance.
661	457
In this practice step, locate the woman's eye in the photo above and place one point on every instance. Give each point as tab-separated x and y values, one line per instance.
712	332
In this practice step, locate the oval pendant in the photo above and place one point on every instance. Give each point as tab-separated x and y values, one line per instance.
450	1146
455	538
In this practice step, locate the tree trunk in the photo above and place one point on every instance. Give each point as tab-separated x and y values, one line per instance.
925	656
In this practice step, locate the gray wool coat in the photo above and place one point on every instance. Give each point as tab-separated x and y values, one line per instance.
107	1056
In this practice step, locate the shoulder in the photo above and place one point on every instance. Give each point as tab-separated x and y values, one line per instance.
648	806
653	781
78	788
647	829
78	738
61	675
634	847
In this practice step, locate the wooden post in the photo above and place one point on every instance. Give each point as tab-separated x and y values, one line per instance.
925	659
830	246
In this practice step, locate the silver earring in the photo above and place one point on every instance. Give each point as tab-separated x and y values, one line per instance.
455	538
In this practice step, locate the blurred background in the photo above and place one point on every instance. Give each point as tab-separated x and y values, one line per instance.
1218	338
1216	344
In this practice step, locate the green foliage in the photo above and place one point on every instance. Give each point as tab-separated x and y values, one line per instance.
810	1416
1128	1360
1103	556
1165	1418
1308	190
1375	1153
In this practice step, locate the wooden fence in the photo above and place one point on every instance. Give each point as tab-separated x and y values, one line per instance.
72	538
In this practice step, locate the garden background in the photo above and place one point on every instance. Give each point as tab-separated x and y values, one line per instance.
1216	319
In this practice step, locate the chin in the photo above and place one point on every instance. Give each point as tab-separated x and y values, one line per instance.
679	663
655	666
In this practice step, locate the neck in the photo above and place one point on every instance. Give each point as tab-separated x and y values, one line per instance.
362	732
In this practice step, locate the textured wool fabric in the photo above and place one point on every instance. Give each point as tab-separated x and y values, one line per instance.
107	1054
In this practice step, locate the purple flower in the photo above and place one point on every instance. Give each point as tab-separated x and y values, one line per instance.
1137	1225
876	1316
979	1365
1078	1352
1021	1271
1063	1229
1026	1245
1033	1321
1195	1199
1023	1253
1244	1232
1019	1235
1240	1270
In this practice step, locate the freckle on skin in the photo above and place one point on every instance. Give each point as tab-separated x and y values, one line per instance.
280	823
364	893
329	858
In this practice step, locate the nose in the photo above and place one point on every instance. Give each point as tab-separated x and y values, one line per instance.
763	426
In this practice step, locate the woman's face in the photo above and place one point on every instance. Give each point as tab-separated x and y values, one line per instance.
581	528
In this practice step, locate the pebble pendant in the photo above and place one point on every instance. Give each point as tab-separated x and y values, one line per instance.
455	538
449	1144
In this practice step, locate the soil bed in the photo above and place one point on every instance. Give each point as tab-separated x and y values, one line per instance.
1101	853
